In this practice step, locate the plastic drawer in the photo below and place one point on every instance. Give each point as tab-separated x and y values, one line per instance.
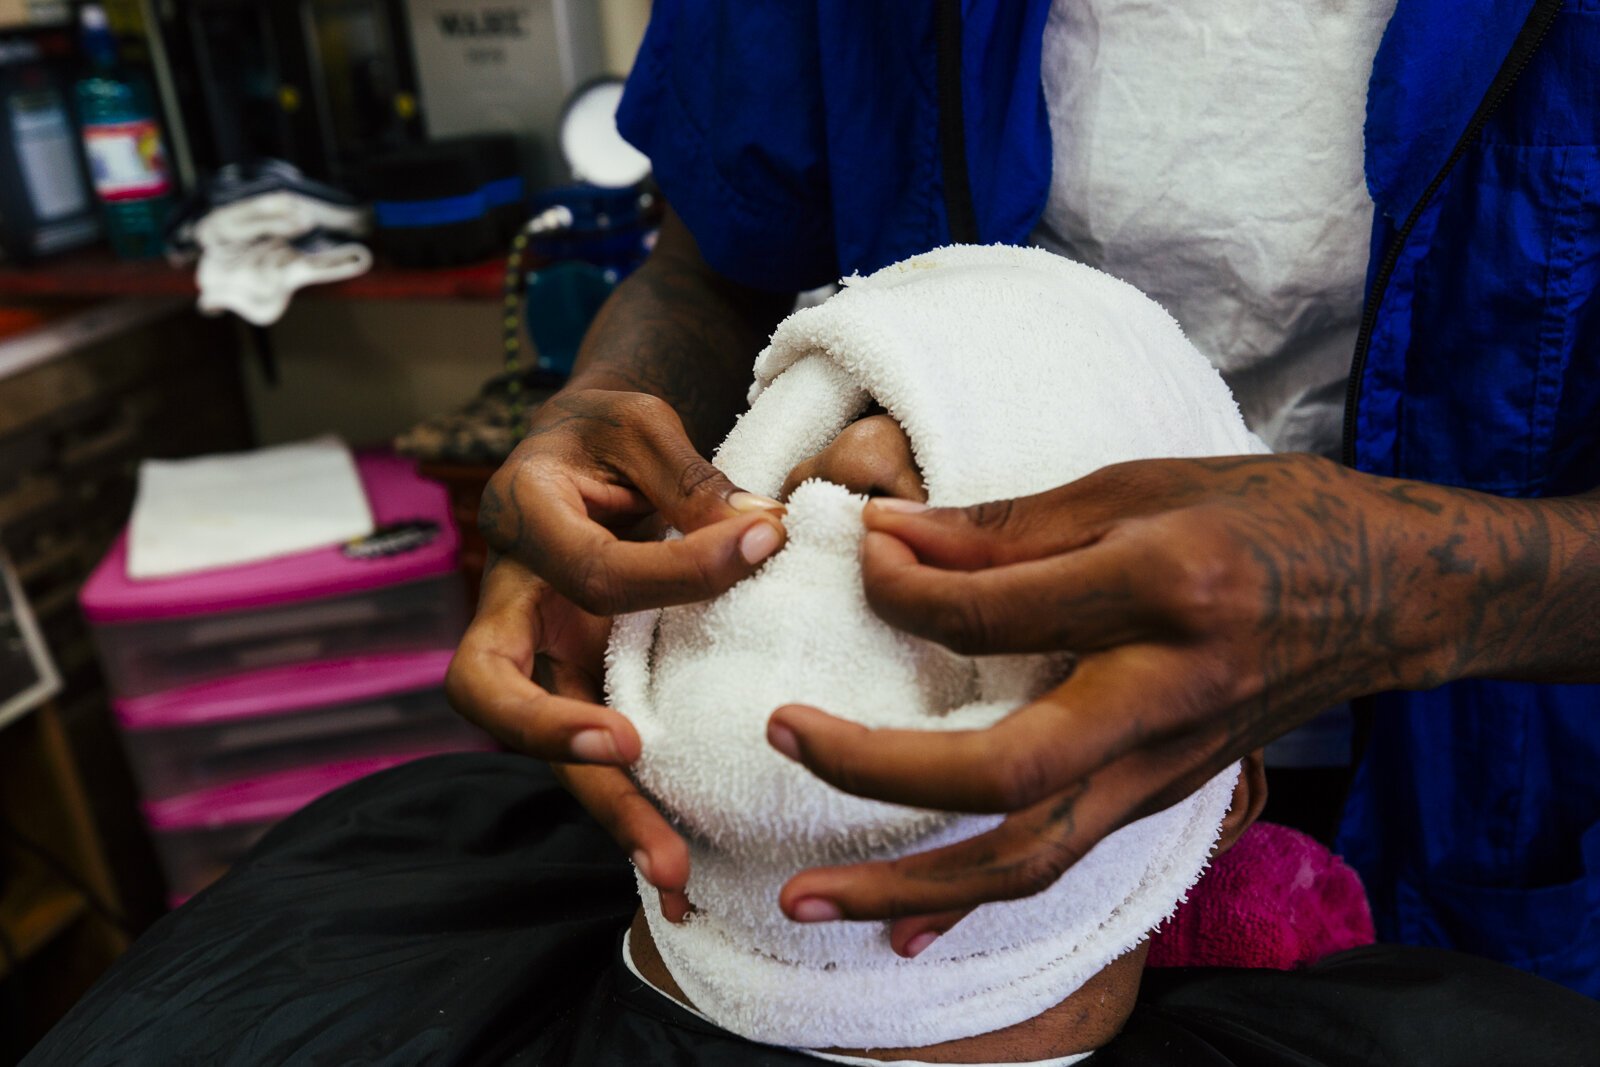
172	761
148	657
199	835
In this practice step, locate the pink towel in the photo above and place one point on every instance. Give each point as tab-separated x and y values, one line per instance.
1277	900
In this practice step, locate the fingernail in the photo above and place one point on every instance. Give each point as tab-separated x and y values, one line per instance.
743	501
759	542
784	740
594	746
890	503
641	860
816	910
916	945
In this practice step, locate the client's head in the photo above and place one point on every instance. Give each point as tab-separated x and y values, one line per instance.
700	681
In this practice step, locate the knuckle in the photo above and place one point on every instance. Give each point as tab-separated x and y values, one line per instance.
963	625
1203	595
642	411
993	515
698	476
1198	584
891	898
595	587
1130	480
1037	871
648	419
1023	777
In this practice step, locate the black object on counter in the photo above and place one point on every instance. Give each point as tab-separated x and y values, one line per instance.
448	202
46	203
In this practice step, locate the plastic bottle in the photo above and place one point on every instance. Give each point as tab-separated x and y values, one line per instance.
122	139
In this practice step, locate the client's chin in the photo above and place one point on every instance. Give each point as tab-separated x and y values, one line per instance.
1083	1022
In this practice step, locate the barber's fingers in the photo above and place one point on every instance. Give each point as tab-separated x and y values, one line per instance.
625	813
1026	854
658	458
489	681
612	798
490	690
911	937
1113	702
1059	520
1095	598
607	576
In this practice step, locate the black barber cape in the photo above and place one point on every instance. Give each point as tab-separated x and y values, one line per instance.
463	910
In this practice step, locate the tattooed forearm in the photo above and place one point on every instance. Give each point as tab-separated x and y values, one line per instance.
1538	592
677	330
1361	584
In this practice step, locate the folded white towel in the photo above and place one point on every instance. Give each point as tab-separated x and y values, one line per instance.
277	215
1012	371
256	281
255	253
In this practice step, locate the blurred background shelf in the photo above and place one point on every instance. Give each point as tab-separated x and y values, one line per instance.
94	273
34	910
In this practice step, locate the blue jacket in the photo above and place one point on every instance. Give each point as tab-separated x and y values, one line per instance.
802	140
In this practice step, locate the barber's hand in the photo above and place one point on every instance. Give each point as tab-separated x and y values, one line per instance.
1212	604
521	618
594	463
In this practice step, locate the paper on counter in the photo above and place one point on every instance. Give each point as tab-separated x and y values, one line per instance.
226	510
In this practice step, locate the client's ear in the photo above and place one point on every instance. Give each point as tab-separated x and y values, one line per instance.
1249	797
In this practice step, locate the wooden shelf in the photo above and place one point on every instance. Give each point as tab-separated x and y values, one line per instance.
42	796
35	909
94	273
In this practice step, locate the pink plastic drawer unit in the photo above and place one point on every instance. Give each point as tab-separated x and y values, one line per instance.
249	725
330	603
199	835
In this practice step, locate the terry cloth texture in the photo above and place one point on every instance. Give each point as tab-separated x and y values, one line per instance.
1276	899
1012	371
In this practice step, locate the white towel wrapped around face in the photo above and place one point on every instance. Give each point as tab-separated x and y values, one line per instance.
1012	371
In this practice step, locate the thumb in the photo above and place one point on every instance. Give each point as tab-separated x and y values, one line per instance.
1063	519
991	534
910	936
685	487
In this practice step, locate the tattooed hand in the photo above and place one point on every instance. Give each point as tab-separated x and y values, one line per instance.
617	453
1213	605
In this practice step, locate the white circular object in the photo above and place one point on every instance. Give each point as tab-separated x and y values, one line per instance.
591	144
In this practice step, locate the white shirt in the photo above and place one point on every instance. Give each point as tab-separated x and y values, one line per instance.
1211	154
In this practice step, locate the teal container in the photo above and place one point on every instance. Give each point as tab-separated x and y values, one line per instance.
123	143
561	301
